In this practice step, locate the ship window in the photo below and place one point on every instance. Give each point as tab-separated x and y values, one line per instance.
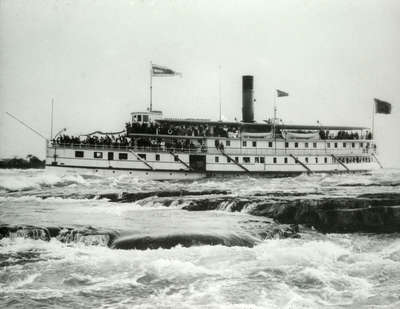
353	145
285	160
216	159
314	145
306	160
296	145
254	144
256	160
329	145
123	156
246	159
145	118
97	155
157	157
306	145
142	155
274	160
262	160
286	145
78	154
236	159
139	117
228	142
244	143
325	160
361	145
269	144
316	160
344	145
176	158
335	145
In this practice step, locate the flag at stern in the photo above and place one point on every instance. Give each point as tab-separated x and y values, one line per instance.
382	107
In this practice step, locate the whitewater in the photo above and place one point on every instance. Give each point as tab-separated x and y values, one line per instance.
82	241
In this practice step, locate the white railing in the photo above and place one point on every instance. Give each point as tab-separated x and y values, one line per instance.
229	150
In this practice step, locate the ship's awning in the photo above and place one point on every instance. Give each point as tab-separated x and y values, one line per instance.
258	125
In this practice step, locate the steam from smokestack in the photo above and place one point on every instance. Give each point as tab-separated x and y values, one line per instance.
247	99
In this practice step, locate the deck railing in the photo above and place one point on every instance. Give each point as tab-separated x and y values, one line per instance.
214	151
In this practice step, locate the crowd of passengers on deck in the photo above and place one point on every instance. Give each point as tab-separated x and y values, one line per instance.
182	130
221	131
125	141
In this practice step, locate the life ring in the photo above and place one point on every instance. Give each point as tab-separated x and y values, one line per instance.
170	132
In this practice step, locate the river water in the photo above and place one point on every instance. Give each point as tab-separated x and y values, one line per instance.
192	259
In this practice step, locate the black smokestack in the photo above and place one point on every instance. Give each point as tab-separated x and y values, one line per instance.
247	99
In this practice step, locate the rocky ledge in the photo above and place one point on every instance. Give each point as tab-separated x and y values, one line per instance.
375	213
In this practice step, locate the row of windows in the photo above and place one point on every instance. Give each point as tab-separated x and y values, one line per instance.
306	144
307	160
110	155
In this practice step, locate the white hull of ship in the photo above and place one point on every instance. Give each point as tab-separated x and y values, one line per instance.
171	166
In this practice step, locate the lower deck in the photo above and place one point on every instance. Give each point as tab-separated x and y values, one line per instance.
171	165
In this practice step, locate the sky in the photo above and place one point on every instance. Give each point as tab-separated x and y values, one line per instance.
92	57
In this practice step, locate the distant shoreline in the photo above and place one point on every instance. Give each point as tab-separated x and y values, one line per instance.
20	163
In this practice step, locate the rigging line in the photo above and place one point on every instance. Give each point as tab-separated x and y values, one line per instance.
24	124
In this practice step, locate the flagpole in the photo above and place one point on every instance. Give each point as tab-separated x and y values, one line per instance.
151	86
274	128
219	92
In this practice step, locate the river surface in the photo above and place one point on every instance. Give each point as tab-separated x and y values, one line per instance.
220	260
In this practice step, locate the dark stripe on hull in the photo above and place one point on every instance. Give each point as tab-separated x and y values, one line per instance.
215	173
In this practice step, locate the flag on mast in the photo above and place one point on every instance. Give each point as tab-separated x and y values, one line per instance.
158	70
281	93
382	107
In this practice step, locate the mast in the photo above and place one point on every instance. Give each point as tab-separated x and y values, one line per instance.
219	93
274	129
52	114
151	87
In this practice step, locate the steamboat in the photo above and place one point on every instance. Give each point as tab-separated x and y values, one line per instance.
155	147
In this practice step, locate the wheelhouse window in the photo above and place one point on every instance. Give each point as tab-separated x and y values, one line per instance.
353	145
306	145
306	159
325	160
256	160
285	160
344	145
78	154
254	144
246	159
316	159
142	156
98	155
335	145
228	142
315	145
157	157
296	145
328	145
262	160
244	143
286	145
269	144
274	160
123	156
216	159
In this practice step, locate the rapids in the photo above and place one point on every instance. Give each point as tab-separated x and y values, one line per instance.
80	241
